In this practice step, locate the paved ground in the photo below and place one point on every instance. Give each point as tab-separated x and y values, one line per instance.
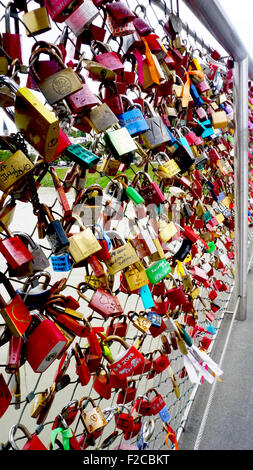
229	423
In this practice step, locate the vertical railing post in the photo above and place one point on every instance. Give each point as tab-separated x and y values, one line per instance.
241	183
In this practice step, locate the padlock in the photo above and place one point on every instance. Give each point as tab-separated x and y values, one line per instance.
109	94
104	55
88	205
101	383
148	189
13	169
39	403
135	277
129	191
118	328
81	155
143	406
102	301
136	429
40	261
14	311
59	12
120	143
124	421
18	257
132	118
11	42
141	322
14	355
53	231
157	134
33	442
59	85
160	363
175	295
82	369
167	167
121	257
94	419
82	17
127	395
127	361
84	99
5	396
157	403
82	244
36	21
158	326
44	68
39	125
182	156
158	271
61	263
43	344
101	118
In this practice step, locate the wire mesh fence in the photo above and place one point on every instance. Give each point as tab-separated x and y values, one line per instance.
202	320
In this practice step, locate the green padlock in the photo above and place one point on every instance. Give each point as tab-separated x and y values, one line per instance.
120	143
131	192
81	155
158	271
207	216
211	247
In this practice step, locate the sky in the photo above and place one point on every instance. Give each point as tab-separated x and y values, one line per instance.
240	14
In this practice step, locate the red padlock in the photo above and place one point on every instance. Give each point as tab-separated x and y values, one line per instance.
14	312
136	429
101	383
15	348
117	382
142	406
127	395
146	366
44	344
118	328
68	413
93	353
160	363
124	421
157	403
16	253
60	11
5	396
33	442
127	362
82	368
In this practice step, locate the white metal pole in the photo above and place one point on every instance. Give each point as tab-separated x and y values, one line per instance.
241	183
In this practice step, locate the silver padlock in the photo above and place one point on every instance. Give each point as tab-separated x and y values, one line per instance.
40	261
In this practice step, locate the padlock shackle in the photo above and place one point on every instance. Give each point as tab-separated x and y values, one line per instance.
13	431
118	339
35	276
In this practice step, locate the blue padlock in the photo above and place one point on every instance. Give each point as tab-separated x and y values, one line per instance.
133	118
61	263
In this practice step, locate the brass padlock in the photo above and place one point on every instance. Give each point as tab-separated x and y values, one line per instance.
39	126
136	276
94	419
82	244
36	21
142	323
14	167
60	84
121	257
